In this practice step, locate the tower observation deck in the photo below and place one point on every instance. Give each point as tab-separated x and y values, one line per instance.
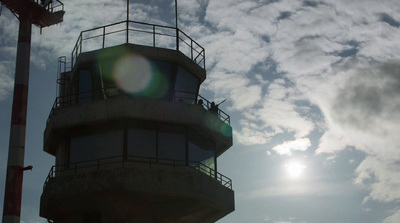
133	139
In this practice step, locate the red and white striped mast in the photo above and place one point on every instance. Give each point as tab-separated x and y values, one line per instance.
41	14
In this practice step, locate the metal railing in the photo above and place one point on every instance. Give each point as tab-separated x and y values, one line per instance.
104	93
139	33
52	6
221	114
119	162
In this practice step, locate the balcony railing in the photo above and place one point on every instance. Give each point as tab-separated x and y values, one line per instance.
119	162
53	6
177	96
139	33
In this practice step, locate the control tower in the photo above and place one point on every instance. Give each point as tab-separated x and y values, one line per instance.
133	139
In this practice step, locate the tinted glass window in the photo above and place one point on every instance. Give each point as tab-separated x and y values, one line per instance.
141	143
205	156
108	85
96	146
171	144
160	86
186	86
85	86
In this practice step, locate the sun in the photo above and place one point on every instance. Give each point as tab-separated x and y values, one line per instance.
294	169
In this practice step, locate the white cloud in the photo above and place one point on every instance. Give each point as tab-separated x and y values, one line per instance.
6	80
248	135
363	115
338	56
394	218
380	174
288	147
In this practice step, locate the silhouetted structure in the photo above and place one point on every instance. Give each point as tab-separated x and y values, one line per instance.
42	15
125	149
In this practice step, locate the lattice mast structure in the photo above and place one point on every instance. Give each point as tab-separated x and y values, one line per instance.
42	14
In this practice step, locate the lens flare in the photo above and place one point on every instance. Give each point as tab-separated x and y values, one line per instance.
133	74
226	130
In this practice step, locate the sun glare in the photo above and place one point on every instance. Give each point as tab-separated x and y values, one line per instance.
294	169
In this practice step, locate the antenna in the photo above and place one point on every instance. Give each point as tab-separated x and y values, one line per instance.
127	10
221	102
176	13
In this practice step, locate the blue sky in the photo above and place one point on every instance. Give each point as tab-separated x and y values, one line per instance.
312	88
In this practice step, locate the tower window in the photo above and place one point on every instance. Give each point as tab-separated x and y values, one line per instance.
96	146
85	86
142	144
171	144
201	150
143	141
186	86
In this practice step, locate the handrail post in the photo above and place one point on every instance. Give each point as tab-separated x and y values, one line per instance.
80	44
204	59
177	39
104	35
127	29
154	36
191	49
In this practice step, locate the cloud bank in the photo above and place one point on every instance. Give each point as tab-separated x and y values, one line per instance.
287	67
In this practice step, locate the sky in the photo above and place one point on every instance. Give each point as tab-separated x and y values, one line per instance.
312	88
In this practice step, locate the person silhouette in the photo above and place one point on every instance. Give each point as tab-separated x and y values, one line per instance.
200	102
214	108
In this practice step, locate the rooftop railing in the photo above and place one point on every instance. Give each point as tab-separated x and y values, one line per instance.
139	33
108	163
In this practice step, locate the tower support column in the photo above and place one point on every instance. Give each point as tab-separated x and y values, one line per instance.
16	152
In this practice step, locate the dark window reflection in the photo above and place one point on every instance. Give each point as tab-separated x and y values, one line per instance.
163	143
85	86
171	144
205	156
107	83
96	146
160	86
141	144
186	86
